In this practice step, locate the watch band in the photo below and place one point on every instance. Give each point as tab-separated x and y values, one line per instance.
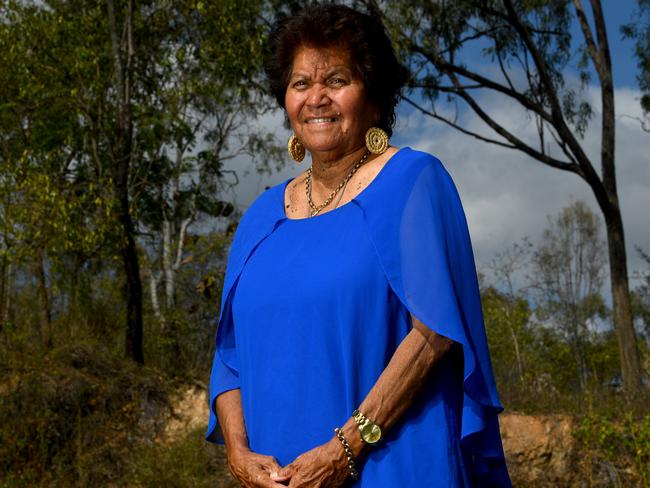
370	431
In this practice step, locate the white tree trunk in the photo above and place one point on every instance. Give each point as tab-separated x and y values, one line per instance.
168	265
155	304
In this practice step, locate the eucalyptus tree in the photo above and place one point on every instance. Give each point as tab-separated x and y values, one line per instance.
121	92
470	52
506	306
568	274
47	208
206	92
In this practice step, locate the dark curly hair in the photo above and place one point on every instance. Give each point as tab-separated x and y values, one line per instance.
362	35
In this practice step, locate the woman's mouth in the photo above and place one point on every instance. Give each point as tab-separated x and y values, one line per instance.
320	120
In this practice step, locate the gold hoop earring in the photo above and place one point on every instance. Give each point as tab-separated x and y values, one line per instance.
296	149
376	140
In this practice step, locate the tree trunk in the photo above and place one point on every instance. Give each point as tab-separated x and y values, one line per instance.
74	313
581	360
122	154
155	304
168	265
3	290
10	312
45	316
515	342
5	307
622	306
133	288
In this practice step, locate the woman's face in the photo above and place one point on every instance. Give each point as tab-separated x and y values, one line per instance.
326	102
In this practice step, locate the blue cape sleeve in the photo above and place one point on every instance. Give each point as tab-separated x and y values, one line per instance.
256	224
421	236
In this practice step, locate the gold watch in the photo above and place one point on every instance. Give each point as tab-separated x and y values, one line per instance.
370	431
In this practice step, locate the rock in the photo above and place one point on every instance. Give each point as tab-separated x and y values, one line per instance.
189	411
540	450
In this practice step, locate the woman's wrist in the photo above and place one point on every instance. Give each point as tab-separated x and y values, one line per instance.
237	447
353	436
355	446
337	454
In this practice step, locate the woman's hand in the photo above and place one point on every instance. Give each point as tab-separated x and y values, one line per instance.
252	469
324	466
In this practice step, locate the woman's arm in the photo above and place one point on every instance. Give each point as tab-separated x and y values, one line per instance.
249	468
389	398
231	420
397	386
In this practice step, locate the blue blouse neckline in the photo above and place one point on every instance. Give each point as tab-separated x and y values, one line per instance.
368	189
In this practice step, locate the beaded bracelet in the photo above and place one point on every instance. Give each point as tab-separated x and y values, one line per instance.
348	453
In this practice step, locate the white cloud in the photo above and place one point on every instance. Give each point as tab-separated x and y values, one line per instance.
508	195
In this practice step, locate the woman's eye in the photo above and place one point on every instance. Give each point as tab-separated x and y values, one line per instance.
300	84
337	81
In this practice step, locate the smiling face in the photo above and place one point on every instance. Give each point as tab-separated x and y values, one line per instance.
326	102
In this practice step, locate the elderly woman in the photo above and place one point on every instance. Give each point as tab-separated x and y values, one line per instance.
351	347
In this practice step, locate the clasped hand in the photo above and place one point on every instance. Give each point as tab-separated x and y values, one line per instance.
324	466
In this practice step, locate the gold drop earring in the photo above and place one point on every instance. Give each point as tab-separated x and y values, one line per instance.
376	140
296	149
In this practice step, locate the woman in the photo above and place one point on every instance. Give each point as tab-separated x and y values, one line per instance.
350	347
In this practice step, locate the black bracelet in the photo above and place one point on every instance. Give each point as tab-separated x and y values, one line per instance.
348	453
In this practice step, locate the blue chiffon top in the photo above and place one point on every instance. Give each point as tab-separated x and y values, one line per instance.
313	310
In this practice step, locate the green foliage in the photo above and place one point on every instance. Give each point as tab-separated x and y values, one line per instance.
67	200
55	216
568	274
534	364
82	415
641	298
187	462
537	313
72	416
184	346
509	334
616	448
46	200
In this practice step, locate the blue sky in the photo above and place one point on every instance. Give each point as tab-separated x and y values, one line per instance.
617	13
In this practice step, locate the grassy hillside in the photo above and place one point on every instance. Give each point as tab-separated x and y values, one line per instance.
79	416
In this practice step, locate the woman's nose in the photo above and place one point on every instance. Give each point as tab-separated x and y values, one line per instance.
318	96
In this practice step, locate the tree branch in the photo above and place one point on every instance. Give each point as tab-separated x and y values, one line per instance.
608	139
445	66
592	49
181	241
518	143
562	145
436	116
587	169
503	70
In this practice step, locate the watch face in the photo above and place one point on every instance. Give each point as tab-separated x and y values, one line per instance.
371	433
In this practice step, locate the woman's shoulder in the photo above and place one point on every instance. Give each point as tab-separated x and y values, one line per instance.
262	214
412	169
414	161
